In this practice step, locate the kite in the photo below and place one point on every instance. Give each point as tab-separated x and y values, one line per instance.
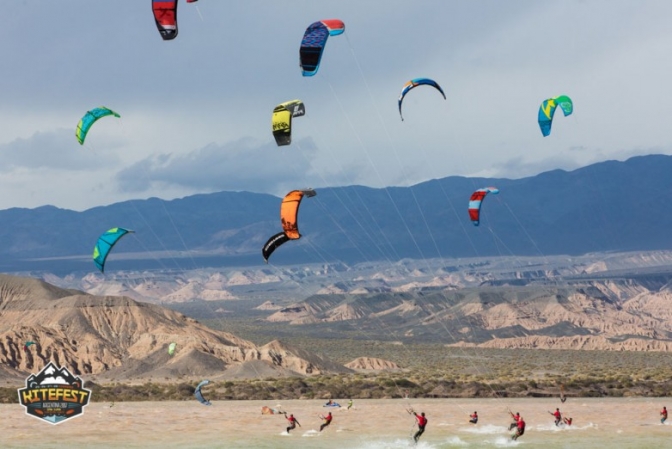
563	398
289	211
475	203
104	245
282	120
28	344
414	83
547	109
199	395
171	348
89	119
313	42
165	16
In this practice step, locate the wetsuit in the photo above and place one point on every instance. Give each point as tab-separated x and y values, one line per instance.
327	421
474	418
520	429
422	422
663	415
558	417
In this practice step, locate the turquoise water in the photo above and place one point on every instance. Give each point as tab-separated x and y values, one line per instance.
372	424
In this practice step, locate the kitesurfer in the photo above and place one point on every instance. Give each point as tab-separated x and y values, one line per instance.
327	420
567	421
474	418
663	415
515	417
422	423
520	428
349	404
292	422
558	416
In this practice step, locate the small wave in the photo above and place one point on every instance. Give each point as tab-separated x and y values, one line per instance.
504	442
398	444
487	429
456	441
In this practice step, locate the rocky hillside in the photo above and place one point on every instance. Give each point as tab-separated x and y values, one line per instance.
610	314
117	337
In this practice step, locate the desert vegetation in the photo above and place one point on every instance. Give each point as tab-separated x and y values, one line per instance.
428	371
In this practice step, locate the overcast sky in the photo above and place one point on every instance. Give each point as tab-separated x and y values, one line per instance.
196	111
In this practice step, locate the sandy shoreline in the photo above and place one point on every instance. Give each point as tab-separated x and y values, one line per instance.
631	422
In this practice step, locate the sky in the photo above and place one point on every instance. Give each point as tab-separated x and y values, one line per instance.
196	111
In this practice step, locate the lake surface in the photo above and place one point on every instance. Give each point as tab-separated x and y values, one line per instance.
371	424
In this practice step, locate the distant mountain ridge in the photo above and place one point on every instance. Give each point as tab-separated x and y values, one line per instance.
608	206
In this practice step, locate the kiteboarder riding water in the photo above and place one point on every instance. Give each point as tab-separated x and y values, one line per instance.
292	422
327	420
520	430
558	416
515	417
474	418
422	422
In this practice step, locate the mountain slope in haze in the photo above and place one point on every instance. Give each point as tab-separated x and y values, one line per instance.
609	206
121	338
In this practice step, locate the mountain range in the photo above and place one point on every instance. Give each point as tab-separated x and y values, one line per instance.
608	206
122	339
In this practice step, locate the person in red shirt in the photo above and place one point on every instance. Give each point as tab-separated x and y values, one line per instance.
474	418
558	416
327	420
515	417
567	421
292	422
663	414
520	430
422	422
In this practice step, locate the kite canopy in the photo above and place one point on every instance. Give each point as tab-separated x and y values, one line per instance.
171	348
89	119
282	120
313	42
165	16
199	395
415	83
289	211
475	203
547	110
104	245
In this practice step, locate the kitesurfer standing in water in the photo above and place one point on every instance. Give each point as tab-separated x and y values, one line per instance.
474	418
558	416
422	423
663	415
292	422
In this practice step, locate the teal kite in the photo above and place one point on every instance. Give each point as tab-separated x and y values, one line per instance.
89	119
547	109
104	245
